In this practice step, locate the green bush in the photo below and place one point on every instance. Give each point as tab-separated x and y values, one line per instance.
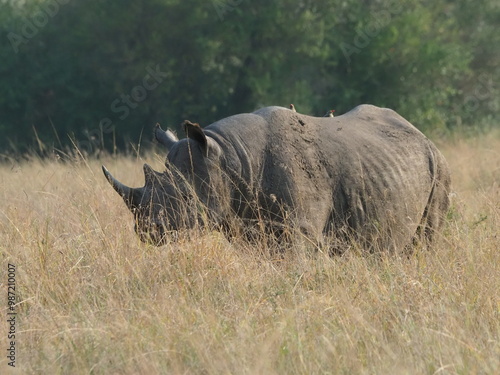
85	70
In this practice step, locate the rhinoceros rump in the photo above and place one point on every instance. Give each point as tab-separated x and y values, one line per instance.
368	176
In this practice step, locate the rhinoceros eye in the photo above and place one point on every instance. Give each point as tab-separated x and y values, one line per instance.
186	196
162	214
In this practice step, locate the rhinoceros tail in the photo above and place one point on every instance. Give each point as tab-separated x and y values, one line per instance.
439	201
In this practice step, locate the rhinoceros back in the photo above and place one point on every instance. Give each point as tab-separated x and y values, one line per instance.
368	174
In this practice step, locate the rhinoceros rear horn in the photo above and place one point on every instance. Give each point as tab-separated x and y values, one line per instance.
128	194
150	174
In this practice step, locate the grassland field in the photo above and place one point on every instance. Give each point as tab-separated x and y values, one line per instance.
93	299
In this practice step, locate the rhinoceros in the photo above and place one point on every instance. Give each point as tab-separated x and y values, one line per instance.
367	176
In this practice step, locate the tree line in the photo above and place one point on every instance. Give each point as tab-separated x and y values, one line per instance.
100	74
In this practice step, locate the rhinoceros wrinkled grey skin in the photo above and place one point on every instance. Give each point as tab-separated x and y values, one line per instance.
367	176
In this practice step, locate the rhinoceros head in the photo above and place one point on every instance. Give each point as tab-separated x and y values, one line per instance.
187	194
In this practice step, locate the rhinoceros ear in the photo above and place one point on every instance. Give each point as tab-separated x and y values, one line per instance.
165	137
194	131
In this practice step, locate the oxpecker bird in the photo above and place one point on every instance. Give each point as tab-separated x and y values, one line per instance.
292	107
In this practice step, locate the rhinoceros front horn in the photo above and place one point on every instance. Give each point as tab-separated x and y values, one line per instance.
128	194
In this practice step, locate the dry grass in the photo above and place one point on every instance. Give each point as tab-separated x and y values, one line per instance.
94	300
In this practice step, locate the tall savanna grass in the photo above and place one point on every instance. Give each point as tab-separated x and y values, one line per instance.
93	299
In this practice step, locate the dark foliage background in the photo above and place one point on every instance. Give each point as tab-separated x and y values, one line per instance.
82	70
